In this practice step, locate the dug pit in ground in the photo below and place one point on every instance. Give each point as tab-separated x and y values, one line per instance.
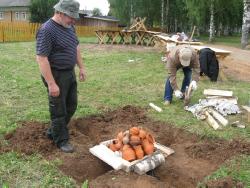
194	158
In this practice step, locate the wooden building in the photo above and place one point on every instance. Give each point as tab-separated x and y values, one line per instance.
18	11
14	10
97	21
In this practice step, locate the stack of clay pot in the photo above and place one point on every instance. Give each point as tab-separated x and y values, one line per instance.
134	143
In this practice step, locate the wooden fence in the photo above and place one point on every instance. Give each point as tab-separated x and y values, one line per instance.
14	31
10	31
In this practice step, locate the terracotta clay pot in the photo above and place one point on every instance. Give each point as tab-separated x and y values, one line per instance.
126	146
134	130
150	138
148	147
118	144
142	134
120	136
125	139
139	153
128	153
134	140
112	147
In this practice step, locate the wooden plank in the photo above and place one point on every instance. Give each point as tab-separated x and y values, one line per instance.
166	150
211	121
217	51
153	32
150	40
218	92
190	39
138	24
232	100
114	37
219	117
169	39
157	108
102	36
140	37
99	37
127	37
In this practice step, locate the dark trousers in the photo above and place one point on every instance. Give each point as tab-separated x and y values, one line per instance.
63	107
168	94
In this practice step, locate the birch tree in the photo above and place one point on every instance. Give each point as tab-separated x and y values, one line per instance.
162	15
246	24
131	11
211	28
223	16
166	15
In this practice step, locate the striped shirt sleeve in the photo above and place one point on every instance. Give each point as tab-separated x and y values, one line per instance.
44	42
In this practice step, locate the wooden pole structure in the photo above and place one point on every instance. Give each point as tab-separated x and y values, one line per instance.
191	37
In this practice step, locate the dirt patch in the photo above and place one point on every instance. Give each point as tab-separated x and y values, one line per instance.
237	64
29	139
193	159
206	150
226	182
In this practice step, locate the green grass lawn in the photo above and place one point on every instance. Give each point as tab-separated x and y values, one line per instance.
234	40
112	82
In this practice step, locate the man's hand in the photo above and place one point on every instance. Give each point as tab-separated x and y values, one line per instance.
54	90
82	74
178	94
194	85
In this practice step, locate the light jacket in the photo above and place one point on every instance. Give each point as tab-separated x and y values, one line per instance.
173	64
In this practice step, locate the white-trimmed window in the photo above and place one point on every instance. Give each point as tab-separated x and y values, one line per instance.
1	15
23	16
17	16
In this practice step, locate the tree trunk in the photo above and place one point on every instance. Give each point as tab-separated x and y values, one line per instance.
166	17
198	33
245	24
227	31
211	29
131	12
175	25
162	15
220	29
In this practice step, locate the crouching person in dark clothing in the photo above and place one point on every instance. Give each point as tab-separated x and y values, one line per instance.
58	52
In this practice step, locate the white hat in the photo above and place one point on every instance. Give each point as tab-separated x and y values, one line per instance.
185	56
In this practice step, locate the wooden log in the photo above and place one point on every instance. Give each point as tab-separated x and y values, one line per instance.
247	108
232	100
158	109
219	117
164	149
222	97
218	92
190	39
211	121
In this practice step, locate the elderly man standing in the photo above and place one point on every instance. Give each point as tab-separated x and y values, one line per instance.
58	52
185	58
